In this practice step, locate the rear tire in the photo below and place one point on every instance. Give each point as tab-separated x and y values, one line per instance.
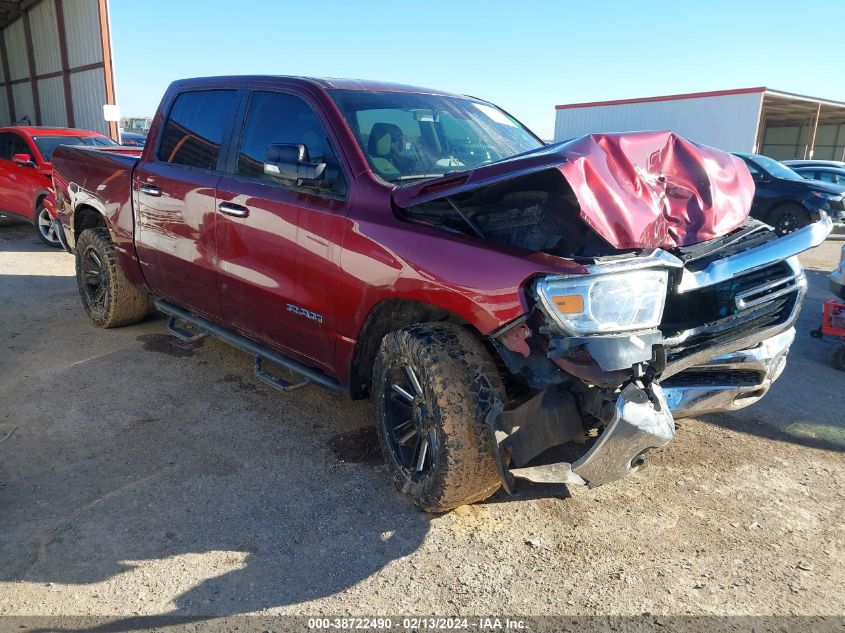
449	383
107	295
788	218
44	226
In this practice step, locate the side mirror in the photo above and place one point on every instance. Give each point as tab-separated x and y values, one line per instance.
24	160
291	163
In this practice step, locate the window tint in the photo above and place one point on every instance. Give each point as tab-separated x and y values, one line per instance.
195	128
826	176
277	118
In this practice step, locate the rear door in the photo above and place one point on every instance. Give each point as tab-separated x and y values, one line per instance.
278	243
175	202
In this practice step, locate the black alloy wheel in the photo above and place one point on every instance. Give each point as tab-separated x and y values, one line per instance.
95	279
411	433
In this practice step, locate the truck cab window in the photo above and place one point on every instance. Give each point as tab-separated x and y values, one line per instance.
196	127
276	118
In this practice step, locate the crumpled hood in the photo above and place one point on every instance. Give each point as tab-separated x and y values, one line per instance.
636	190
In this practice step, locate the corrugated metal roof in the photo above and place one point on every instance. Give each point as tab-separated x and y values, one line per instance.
698	95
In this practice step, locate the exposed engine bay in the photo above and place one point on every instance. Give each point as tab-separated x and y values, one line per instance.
537	212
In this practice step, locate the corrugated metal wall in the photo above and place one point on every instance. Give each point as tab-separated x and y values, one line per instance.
727	122
16	50
81	76
82	24
89	95
42	21
783	142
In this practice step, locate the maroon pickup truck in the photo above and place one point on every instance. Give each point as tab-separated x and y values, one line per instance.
518	312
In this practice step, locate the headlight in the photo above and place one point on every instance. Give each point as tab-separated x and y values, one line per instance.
605	303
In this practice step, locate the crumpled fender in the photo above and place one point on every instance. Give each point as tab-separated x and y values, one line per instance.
636	190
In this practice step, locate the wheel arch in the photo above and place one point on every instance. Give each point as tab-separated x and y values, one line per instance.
39	198
384	317
87	217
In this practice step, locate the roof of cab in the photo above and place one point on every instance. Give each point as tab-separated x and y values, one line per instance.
326	83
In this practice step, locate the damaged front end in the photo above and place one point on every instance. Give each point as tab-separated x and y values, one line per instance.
612	356
687	305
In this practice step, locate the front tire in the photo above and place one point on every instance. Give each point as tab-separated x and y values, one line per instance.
788	218
44	226
433	385
107	295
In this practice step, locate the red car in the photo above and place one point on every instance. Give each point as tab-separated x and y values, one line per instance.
26	171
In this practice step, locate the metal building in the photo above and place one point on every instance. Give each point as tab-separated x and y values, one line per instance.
772	122
56	63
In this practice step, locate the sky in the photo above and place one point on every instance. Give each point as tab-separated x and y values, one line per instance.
524	55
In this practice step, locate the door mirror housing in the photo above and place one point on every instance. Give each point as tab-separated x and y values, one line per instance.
291	163
24	160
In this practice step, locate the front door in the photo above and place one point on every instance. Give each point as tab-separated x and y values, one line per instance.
175	196
278	243
19	184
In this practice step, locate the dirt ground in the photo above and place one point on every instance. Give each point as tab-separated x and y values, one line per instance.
144	477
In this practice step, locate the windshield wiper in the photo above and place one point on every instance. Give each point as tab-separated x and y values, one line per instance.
417	177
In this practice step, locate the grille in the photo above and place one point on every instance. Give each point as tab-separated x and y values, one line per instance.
731	310
742	378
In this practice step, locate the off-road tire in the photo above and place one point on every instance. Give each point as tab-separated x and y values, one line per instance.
787	218
460	383
122	302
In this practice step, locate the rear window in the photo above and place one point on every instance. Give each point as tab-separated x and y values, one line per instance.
196	127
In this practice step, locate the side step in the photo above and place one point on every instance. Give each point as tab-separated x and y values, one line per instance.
261	352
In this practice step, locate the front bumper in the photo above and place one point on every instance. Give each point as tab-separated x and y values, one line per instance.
642	419
730	381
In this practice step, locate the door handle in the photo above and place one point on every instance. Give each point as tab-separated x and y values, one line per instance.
235	210
151	190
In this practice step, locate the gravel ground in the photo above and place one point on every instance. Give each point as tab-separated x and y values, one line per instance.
144	477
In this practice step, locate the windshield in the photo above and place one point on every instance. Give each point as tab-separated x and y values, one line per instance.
48	144
773	168
407	136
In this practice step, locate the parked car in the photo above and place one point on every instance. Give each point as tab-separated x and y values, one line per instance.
132	139
832	171
495	296
788	202
25	171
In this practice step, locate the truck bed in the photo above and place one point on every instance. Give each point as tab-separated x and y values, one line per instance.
96	178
